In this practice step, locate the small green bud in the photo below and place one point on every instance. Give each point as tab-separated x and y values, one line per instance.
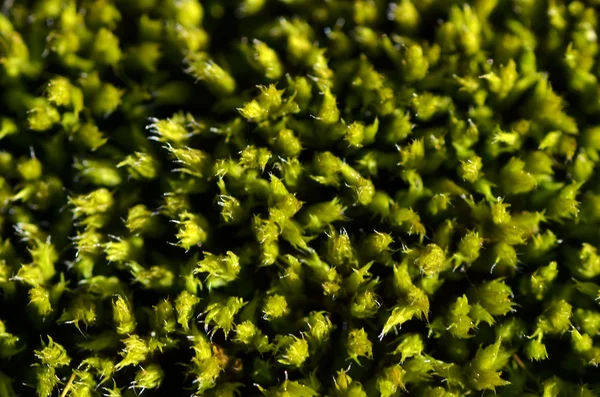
396	127
426	106
98	172
53	355
511	330
171	130
59	91
292	351
500	213
515	179
414	64
85	383
381	204
367	39
245	332
479	315
39	297
135	351
193	161
413	155
89	242
364	304
249	335
320	216
46	381
400	314
106	48
390	380
184	306
149	29
139	219
504	254
123	250
107	100
287	144
328	112
164	317
346	387
587	264
541	280
319	327
558	316
483	368
405	15
536	350
90	136
494	296
188	39
459	324
581	343
193	230
102	13
123	316
439	204
263	59
432	260
565	204
275	307
410	345
470	170
291	388
255	158
326	167
206	367
250	7
148	377
42	117
156	277
365	12
221	269
588	320
469	247
7	127
231	209
9	344
102	367
98	201
29	169
82	309
373	245
359	345
355	134
359	277
189	12
217	80
221	314
144	57
341	45
408	220
269	104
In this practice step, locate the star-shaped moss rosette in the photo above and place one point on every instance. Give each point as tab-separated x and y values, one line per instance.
299	198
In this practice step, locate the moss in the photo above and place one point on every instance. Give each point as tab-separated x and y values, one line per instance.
299	198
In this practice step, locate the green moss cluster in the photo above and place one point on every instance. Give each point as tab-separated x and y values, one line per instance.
299	198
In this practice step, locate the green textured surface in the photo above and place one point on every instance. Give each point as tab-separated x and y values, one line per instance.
299	198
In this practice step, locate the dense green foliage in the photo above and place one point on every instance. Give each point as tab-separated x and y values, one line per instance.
298	198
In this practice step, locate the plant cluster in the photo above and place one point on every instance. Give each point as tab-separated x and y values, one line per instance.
299	198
